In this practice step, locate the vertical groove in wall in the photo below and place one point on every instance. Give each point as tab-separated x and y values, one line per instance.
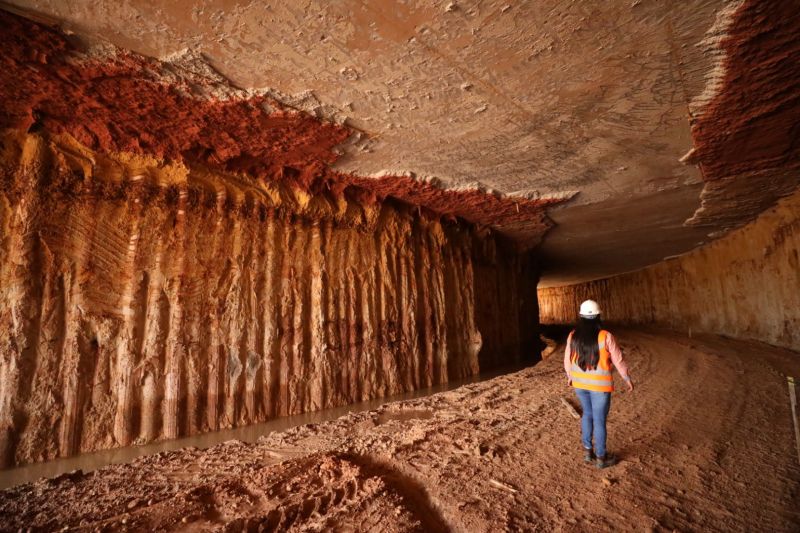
20	314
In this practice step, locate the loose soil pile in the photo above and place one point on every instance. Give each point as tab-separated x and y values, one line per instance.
705	440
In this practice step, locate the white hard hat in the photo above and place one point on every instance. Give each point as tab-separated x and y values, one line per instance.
589	309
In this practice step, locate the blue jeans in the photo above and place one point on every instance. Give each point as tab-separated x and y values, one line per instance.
595	411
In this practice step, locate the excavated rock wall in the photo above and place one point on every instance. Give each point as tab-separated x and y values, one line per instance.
143	301
742	285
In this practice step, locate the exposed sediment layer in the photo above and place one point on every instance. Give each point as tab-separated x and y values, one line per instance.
181	110
145	301
742	285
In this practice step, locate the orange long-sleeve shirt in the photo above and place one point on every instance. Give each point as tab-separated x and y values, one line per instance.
613	350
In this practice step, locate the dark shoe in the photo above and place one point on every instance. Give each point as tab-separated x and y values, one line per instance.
588	456
606	461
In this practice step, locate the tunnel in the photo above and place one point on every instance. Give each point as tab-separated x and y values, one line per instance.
321	266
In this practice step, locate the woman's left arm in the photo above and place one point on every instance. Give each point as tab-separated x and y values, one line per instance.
618	359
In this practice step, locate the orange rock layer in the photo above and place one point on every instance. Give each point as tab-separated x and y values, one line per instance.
141	301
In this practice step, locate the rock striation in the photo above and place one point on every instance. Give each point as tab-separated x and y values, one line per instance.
145	300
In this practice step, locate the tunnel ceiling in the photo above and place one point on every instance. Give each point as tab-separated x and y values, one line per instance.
644	127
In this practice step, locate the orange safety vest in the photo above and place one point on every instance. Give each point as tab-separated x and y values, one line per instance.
598	379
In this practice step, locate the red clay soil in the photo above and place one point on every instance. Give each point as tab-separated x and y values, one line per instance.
705	440
119	101
752	123
123	103
484	207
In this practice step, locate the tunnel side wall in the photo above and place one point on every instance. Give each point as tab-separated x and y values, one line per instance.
139	303
745	285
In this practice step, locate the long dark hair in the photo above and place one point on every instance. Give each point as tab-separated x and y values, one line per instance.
584	342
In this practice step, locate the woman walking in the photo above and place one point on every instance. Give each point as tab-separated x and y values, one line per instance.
591	351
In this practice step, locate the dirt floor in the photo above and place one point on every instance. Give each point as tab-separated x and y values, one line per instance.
706	443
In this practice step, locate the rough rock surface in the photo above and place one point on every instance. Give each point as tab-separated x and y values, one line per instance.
500	455
744	131
745	135
145	301
112	100
744	285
